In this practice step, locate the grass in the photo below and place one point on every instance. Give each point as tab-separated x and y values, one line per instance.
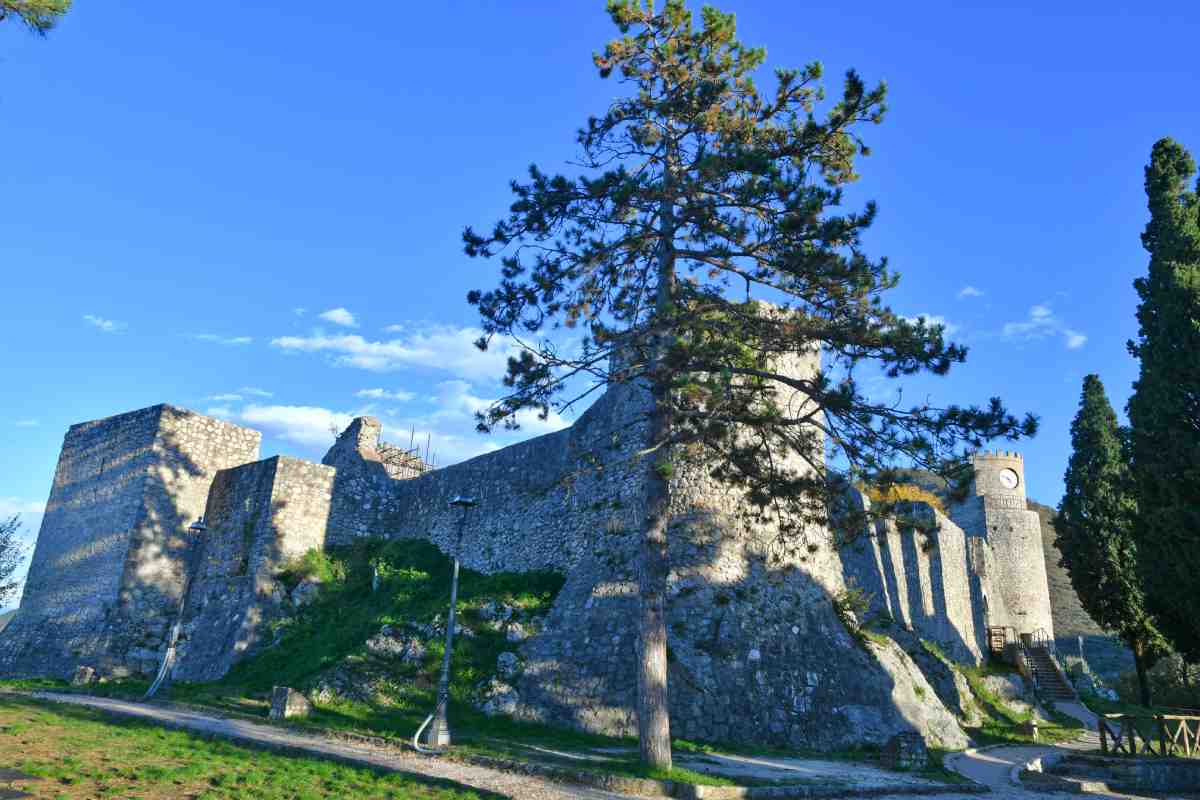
414	577
81	753
331	631
1002	723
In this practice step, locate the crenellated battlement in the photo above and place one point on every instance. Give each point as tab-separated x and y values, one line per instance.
996	455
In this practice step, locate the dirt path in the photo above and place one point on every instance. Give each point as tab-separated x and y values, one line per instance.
510	784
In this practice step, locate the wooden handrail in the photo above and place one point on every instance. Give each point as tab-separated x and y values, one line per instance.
1171	734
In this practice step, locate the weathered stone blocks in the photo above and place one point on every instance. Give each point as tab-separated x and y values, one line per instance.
111	554
287	703
905	751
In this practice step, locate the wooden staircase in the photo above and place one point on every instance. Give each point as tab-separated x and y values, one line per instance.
1049	681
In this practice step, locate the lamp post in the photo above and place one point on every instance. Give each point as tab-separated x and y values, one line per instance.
196	529
439	731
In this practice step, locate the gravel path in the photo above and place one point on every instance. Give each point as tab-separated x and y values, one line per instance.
509	784
989	766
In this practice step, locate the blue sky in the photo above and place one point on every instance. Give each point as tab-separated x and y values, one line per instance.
256	210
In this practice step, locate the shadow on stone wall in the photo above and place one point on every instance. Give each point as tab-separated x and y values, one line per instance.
254	531
110	556
756	654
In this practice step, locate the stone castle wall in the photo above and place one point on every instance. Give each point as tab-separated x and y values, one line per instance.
260	516
108	566
758	651
919	572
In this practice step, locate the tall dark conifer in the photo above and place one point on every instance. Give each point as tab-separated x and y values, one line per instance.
1164	411
1095	531
699	190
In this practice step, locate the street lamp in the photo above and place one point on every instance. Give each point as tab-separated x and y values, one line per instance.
196	529
439	731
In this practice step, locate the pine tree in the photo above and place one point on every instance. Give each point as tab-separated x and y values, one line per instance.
38	15
11	552
1164	411
1095	531
701	189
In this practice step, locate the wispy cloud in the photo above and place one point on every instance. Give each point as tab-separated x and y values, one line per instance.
310	426
433	346
339	316
106	325
384	394
255	392
1043	323
969	291
449	426
299	312
224	398
15	505
1075	340
225	340
28	423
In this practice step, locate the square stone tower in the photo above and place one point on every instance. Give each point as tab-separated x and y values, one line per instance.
109	563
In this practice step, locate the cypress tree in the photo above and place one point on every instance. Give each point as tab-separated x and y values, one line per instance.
1164	410
699	189
1095	531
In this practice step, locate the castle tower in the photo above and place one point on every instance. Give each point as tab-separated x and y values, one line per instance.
109	563
1015	536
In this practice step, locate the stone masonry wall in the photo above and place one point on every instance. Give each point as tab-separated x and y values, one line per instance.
260	516
920	574
757	652
106	569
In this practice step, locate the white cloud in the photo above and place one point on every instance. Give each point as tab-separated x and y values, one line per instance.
299	312
934	319
310	426
384	394
969	291
218	339
434	346
15	505
394	329
1043	323
224	398
255	392
106	325
449	427
339	316
455	402
28	423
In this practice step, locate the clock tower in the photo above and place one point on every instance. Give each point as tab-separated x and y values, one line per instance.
997	510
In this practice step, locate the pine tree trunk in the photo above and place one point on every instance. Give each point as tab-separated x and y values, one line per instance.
1139	662
654	721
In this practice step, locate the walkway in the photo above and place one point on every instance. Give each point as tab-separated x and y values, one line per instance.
509	784
993	766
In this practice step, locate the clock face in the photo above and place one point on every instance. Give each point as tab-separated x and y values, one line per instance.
1008	479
